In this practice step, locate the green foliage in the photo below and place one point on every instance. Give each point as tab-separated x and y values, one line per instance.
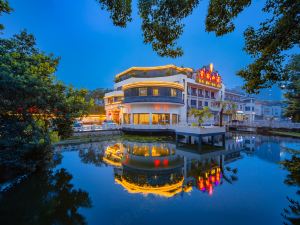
267	45
221	13
4	8
32	101
293	89
162	26
201	114
120	11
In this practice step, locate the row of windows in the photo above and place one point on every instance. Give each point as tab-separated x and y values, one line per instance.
111	100
144	118
200	93
200	103
153	91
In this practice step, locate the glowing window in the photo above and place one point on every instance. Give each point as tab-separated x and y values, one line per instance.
173	92
155	92
142	91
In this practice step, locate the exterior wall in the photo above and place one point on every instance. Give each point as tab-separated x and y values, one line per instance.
153	108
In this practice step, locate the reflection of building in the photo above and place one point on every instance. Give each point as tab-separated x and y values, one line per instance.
163	170
162	95
151	169
113	155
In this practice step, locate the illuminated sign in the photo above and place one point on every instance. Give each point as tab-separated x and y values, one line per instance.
207	76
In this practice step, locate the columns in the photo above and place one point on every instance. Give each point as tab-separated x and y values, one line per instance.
199	143
223	140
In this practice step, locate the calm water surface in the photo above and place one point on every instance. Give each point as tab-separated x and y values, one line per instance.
129	182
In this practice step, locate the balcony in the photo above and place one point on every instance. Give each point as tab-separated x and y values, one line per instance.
146	99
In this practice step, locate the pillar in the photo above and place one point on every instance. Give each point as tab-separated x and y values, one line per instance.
212	140
223	140
199	143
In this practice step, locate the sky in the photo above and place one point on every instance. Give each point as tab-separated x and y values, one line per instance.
93	51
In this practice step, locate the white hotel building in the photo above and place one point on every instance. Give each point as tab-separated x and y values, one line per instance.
163	95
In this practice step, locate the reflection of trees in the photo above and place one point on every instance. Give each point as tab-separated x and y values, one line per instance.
44	198
292	213
91	156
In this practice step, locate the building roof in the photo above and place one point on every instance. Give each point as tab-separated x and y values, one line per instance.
170	66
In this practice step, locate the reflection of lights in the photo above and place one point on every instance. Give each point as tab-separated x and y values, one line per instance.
168	190
209	180
156	162
165	162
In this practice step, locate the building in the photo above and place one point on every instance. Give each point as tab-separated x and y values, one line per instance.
163	95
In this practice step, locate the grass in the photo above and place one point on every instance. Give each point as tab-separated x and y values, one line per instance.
287	133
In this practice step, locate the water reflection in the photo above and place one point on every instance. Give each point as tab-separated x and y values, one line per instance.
161	169
45	198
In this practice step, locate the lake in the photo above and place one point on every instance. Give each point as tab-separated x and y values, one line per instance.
134	182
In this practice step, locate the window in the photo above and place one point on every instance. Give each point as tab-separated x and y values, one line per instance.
173	92
193	103
213	95
194	91
161	118
174	118
200	93
206	94
142	91
155	92
141	118
200	104
247	108
206	103
126	118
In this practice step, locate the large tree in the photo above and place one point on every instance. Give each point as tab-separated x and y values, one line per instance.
33	104
293	89
162	26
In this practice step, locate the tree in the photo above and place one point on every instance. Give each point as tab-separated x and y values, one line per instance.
33	104
162	26
4	8
201	114
226	107
293	89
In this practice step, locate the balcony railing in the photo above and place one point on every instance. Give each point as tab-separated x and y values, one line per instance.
167	99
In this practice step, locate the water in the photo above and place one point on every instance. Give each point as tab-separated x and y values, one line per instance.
127	182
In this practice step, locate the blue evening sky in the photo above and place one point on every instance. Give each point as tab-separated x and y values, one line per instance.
93	51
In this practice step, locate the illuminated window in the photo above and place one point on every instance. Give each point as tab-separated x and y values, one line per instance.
142	91
161	118
126	118
174	118
141	118
155	92
173	92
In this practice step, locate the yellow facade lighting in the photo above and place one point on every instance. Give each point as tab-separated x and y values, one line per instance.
185	69
154	84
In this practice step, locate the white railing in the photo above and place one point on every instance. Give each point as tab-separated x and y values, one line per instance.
85	128
266	123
